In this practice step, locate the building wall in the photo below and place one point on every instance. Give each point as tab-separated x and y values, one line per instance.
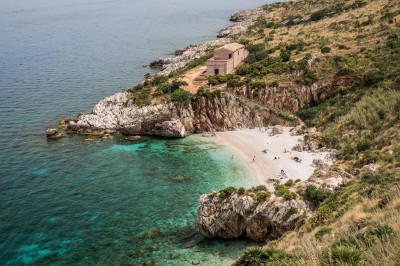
223	63
224	67
239	56
221	54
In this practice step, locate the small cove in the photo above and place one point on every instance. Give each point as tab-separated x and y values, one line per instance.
76	202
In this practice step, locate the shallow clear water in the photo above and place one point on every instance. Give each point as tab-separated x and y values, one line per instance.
115	202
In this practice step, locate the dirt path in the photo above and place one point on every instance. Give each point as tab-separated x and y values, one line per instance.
195	79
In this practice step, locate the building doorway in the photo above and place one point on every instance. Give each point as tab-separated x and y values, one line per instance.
216	71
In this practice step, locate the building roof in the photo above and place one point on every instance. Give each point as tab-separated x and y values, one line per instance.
233	47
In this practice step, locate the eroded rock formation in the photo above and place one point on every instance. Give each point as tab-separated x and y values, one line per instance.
243	216
225	112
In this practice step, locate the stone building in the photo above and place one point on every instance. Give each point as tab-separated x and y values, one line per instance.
226	59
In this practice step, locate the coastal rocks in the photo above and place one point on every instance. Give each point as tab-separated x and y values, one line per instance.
133	138
242	216
52	133
186	55
242	20
171	129
117	114
277	130
320	164
333	183
312	142
297	131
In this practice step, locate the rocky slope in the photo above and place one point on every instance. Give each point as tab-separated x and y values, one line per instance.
225	112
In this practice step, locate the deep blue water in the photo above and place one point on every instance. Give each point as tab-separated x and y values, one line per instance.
77	202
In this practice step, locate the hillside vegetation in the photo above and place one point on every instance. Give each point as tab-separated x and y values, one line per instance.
308	41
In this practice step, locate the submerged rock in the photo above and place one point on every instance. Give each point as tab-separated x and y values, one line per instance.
174	255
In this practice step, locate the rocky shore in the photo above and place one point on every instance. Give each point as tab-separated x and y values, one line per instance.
225	112
242	20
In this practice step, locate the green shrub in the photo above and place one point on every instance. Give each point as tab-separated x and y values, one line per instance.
263	196
177	84
285	55
226	192
345	255
259	188
241	191
140	97
164	87
323	231
180	96
283	191
254	256
289	213
343	47
383	231
315	195
201	92
289	183
370	78
325	49
363	145
158	79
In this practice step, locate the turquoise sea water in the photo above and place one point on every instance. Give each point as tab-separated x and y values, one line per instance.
114	202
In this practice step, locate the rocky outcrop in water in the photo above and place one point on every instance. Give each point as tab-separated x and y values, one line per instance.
243	216
53	133
225	112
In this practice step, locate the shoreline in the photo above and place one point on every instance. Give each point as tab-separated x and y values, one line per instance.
246	143
241	21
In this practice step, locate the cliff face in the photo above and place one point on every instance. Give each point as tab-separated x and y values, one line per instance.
225	112
293	97
287	99
242	216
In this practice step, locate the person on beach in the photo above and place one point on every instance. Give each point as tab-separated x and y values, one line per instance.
254	159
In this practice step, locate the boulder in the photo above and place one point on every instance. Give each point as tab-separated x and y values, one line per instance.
171	129
277	129
238	216
333	183
52	133
297	131
320	164
298	147
370	168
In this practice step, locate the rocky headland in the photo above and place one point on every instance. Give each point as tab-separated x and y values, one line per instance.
224	112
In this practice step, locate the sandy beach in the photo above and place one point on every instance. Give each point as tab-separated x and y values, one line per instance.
268	165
